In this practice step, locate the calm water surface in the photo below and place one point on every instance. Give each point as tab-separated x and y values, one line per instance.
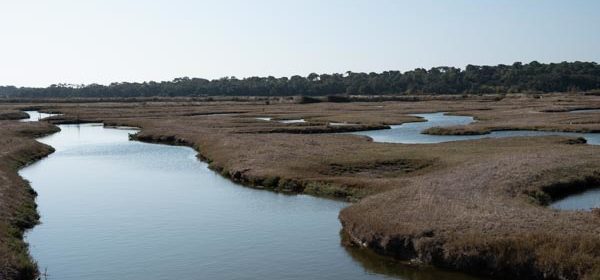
118	209
410	133
582	201
35	116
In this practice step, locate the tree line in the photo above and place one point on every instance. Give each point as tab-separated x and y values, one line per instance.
518	77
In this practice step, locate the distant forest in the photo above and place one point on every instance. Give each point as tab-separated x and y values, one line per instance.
518	77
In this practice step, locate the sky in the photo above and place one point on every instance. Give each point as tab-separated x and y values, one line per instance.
102	41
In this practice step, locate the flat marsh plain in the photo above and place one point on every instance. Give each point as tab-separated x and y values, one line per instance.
475	206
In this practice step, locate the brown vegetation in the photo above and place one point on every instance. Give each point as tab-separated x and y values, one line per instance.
475	206
17	206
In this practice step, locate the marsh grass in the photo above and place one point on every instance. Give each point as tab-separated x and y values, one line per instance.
18	211
468	205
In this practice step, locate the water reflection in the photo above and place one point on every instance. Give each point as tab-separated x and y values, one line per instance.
117	209
377	264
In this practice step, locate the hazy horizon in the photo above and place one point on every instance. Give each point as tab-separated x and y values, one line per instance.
78	42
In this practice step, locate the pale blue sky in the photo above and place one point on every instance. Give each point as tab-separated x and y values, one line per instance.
102	41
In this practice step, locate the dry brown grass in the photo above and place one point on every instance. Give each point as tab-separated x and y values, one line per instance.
17	206
550	113
478	210
472	206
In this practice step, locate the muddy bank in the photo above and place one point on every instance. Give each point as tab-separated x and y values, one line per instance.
524	256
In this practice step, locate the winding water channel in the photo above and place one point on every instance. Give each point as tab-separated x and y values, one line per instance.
118	209
410	133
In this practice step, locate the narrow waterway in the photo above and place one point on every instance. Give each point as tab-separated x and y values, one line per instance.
410	133
118	209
